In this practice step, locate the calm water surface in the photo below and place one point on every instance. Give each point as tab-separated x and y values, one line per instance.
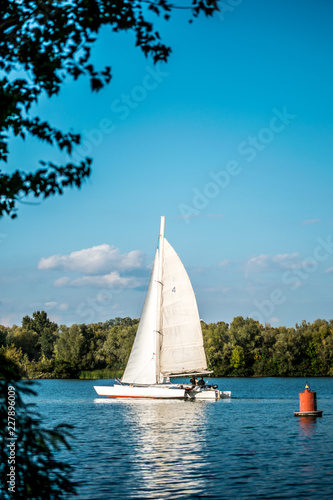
251	446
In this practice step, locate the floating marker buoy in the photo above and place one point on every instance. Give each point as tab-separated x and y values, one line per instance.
308	404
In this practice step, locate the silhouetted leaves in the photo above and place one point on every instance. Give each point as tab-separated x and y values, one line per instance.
39	475
41	44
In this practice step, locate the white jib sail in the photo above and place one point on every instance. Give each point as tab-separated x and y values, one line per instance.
141	366
182	348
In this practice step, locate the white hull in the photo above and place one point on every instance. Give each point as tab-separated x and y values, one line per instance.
207	393
225	394
129	391
160	392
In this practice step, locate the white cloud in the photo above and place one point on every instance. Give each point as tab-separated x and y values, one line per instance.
265	263
308	222
51	305
63	307
98	259
224	263
112	280
287	260
329	270
62	281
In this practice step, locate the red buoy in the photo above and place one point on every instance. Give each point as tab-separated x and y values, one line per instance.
308	404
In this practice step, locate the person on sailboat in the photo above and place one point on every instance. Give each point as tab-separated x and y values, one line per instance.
193	381
201	382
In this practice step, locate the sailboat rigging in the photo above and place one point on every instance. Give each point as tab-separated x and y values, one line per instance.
169	340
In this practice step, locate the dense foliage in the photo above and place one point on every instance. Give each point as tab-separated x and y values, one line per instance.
43	43
243	348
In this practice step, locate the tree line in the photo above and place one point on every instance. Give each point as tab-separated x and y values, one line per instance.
42	349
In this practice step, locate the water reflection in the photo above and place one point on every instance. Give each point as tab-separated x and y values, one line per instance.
168	443
307	425
251	448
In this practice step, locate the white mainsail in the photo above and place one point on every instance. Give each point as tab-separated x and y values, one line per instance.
169	337
182	349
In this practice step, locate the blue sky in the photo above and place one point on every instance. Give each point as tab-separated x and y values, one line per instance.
231	140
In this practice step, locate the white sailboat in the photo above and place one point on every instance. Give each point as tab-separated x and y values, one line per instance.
169	340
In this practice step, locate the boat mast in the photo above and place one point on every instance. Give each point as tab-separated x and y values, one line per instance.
159	297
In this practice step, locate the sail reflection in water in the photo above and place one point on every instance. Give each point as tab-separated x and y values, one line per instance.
168	444
170	440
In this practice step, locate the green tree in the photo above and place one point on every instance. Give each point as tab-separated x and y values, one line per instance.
44	328
289	352
69	344
326	354
74	346
237	358
118	344
3	335
217	347
27	340
246	333
245	348
38	322
13	355
41	44
47	340
264	364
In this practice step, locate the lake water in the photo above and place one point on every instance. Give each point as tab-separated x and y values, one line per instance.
248	447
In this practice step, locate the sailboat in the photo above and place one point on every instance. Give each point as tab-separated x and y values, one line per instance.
169	340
